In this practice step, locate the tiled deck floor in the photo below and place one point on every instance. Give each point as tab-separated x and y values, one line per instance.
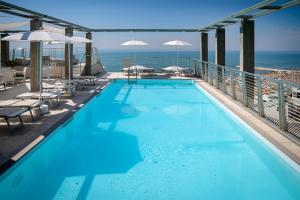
12	143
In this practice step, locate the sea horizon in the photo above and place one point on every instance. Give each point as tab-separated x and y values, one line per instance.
113	60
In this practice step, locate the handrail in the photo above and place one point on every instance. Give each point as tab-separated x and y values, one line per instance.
274	99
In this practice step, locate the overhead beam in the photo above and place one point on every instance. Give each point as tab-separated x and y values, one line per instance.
26	13
145	30
270	7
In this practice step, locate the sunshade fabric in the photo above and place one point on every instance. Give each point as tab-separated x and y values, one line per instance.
38	36
178	43
135	43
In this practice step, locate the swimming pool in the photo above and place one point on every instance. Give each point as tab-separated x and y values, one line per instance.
157	139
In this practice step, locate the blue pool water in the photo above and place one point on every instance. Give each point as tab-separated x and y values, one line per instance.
158	139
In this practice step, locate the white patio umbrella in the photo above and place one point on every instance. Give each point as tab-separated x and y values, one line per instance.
177	43
76	39
137	67
135	43
72	39
38	36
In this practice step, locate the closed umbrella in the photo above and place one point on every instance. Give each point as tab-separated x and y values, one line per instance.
177	43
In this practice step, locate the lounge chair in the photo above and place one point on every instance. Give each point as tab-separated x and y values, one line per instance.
20	76
60	87
44	96
74	82
91	79
3	84
25	103
8	113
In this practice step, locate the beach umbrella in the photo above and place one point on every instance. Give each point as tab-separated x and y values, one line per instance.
72	39
76	39
177	43
135	43
38	36
173	68
137	67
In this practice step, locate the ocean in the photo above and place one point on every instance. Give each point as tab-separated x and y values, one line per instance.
114	61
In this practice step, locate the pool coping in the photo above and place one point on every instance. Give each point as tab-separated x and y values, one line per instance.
281	140
16	157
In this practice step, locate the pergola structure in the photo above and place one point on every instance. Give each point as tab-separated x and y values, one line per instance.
244	17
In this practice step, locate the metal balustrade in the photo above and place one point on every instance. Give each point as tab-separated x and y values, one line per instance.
274	99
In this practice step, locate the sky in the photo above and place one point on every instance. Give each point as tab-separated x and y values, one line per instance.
279	31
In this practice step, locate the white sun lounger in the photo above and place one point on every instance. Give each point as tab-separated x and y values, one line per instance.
91	79
25	103
60	87
36	95
75	82
8	113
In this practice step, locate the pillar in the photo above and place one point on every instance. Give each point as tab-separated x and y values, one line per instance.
68	55
204	52
220	53
88	55
247	46
36	53
4	50
247	57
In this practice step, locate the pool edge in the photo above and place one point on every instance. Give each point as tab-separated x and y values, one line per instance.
28	148
282	148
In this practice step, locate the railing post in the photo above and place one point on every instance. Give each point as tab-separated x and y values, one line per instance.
281	106
223	79
201	68
206	70
217	76
244	89
232	84
211	76
260	100
194	67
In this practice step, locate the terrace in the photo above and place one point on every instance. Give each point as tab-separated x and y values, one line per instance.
271	106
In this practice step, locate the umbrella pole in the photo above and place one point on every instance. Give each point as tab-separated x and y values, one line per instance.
177	60
40	70
69	62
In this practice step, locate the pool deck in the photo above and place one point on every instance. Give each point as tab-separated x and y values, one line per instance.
16	144
279	139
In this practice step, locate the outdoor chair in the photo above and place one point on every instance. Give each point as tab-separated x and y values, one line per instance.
13	112
90	79
30	104
20	76
45	96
